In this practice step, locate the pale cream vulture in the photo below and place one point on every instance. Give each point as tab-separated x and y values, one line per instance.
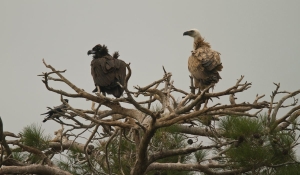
204	64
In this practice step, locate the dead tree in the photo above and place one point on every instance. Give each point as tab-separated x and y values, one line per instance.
139	125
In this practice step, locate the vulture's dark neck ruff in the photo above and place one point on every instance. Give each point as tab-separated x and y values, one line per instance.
99	51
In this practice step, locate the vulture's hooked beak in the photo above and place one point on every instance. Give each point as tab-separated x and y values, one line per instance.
187	33
91	52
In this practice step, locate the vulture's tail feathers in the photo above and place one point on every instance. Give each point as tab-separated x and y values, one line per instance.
212	78
118	91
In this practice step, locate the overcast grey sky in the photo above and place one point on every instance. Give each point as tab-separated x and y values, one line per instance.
258	39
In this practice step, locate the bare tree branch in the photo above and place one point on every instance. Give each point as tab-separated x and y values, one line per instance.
32	169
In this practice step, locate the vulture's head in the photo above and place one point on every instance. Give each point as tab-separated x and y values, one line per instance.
66	100
192	33
98	51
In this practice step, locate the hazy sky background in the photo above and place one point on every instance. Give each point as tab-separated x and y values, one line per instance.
258	39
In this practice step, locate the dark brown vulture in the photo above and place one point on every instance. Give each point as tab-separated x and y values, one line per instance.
56	112
107	71
204	64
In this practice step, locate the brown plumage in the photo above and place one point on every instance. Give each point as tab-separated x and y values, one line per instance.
107	71
204	64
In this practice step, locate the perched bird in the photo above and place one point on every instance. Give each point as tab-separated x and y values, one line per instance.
56	112
204	64
107	71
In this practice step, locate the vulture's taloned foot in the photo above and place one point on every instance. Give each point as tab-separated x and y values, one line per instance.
98	89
